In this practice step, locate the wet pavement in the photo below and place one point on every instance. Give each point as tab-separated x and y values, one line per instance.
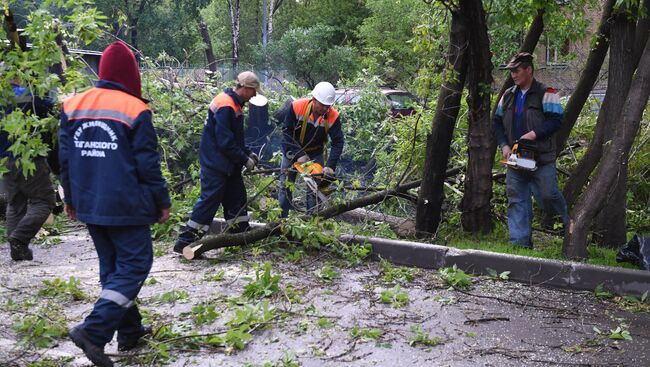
320	321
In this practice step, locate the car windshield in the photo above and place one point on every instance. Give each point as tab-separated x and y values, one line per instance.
347	97
401	100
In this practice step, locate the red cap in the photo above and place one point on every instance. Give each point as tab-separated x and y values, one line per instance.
118	64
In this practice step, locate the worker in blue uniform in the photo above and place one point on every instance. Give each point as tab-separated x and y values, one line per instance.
110	173
222	154
306	129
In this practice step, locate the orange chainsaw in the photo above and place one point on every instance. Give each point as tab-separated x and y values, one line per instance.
522	155
317	182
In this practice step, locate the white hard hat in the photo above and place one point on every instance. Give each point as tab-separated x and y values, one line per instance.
324	93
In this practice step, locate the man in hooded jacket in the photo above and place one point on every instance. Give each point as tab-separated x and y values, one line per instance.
110	173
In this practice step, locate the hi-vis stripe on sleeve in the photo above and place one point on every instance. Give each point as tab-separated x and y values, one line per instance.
104	104
551	102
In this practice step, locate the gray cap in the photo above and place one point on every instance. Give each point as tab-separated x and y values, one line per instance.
518	59
250	80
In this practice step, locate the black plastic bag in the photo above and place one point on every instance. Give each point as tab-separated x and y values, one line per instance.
636	251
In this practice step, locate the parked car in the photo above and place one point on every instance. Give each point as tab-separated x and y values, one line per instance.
400	102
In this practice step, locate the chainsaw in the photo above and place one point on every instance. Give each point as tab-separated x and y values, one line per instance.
317	182
522	155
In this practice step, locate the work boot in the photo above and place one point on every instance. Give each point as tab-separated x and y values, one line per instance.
188	236
124	345
19	251
94	353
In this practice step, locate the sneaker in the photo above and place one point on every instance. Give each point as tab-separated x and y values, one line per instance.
128	344
94	353
19	250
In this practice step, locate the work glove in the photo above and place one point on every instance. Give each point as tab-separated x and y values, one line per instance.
254	157
328	172
303	159
250	163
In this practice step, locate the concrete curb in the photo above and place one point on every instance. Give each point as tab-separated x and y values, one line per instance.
529	270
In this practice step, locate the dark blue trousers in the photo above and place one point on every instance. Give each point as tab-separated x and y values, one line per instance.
217	189
125	258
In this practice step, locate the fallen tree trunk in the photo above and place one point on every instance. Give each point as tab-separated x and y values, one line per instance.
273	229
402	226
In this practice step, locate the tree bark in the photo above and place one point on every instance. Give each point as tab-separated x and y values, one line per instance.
209	53
588	77
404	227
619	77
431	193
610	228
234	8
614	159
476	212
12	29
272	229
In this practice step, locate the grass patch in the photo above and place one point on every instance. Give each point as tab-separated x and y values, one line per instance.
546	247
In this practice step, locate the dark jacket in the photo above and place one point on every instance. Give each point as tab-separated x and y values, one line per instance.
29	104
316	132
543	114
110	166
222	146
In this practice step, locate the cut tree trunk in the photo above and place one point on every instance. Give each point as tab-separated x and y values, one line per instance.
614	158
476	211
431	193
209	53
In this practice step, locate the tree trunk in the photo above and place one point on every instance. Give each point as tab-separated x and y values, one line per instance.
530	42
12	29
209	54
404	227
610	228
614	159
588	77
269	22
234	7
431	193
272	229
619	77
475	207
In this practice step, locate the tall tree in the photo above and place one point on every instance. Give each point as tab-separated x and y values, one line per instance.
614	160
431	194
611	223
476	211
234	9
619	79
209	53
